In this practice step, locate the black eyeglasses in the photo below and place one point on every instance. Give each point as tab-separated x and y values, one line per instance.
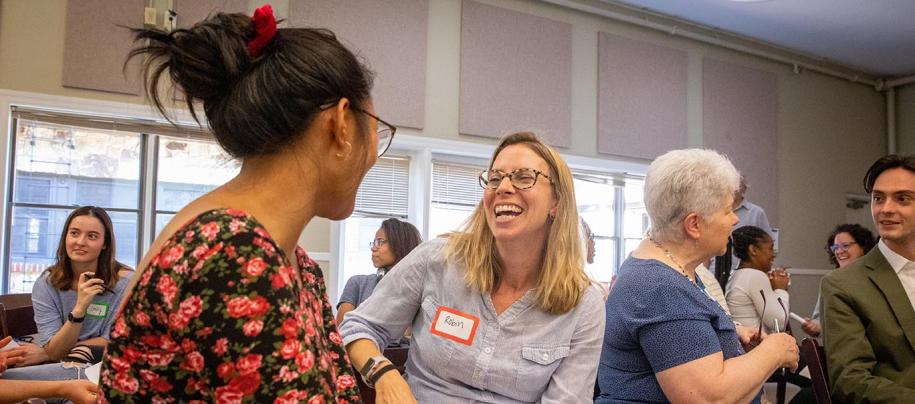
385	132
522	178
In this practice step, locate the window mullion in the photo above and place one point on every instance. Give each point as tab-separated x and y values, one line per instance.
619	212
146	230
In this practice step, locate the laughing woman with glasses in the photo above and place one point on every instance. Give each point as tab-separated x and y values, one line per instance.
845	244
393	241
227	308
667	340
502	310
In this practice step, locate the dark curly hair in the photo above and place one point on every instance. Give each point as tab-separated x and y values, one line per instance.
746	236
861	234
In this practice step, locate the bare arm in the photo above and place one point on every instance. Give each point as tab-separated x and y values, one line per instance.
78	391
711	379
391	387
67	337
342	309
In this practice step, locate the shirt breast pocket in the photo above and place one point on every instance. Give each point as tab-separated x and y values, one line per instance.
539	362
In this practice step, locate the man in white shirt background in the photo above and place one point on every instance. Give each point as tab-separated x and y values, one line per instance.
749	213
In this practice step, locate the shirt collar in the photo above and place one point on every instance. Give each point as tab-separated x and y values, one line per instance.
896	261
743	205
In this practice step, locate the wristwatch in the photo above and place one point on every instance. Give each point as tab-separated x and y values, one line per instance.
369	371
73	319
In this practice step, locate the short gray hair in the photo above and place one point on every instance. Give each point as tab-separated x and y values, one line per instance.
681	182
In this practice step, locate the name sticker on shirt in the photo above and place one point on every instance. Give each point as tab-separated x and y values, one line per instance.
97	310
455	325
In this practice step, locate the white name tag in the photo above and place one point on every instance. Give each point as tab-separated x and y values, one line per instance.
98	310
455	325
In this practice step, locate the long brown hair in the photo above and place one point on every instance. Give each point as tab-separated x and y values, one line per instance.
61	274
562	278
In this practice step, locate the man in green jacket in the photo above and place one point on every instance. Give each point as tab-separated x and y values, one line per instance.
868	313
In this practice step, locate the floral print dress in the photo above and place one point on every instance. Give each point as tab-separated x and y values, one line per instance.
219	316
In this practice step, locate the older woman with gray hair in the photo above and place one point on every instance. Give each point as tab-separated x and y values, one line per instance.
666	339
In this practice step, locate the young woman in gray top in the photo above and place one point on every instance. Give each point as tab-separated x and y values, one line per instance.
501	311
75	299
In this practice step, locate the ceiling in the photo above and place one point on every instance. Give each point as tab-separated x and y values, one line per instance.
873	36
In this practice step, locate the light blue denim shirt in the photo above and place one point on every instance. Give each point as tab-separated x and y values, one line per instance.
522	355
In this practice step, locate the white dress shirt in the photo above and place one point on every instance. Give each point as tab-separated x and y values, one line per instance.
904	268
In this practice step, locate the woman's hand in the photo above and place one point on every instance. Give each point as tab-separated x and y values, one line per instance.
392	388
786	348
749	337
779	278
811	327
33	355
80	391
10	357
88	288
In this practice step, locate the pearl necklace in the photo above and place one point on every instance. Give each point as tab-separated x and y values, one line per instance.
670	256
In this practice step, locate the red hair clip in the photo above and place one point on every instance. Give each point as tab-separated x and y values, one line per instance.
264	28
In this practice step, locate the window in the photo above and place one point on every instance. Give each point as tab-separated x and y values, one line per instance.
456	192
384	193
62	160
597	205
613	208
635	217
57	167
185	170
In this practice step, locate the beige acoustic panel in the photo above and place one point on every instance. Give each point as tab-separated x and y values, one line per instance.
96	45
192	11
516	74
740	119
390	36
641	98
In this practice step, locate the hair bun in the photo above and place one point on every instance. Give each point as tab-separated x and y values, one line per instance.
203	60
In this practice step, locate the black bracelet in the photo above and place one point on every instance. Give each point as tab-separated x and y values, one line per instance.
377	375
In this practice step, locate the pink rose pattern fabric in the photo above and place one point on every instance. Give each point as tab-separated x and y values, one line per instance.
220	317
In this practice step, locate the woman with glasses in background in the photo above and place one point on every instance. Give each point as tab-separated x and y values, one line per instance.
666	339
845	244
393	241
502	310
227	308
756	293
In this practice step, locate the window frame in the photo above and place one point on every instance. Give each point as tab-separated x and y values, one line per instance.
90	113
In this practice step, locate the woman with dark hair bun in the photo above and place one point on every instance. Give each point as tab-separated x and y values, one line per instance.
393	241
757	292
845	244
226	307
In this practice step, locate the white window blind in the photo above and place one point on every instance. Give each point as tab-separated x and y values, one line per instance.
385	189
456	183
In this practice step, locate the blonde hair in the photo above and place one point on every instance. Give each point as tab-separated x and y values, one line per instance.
562	279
